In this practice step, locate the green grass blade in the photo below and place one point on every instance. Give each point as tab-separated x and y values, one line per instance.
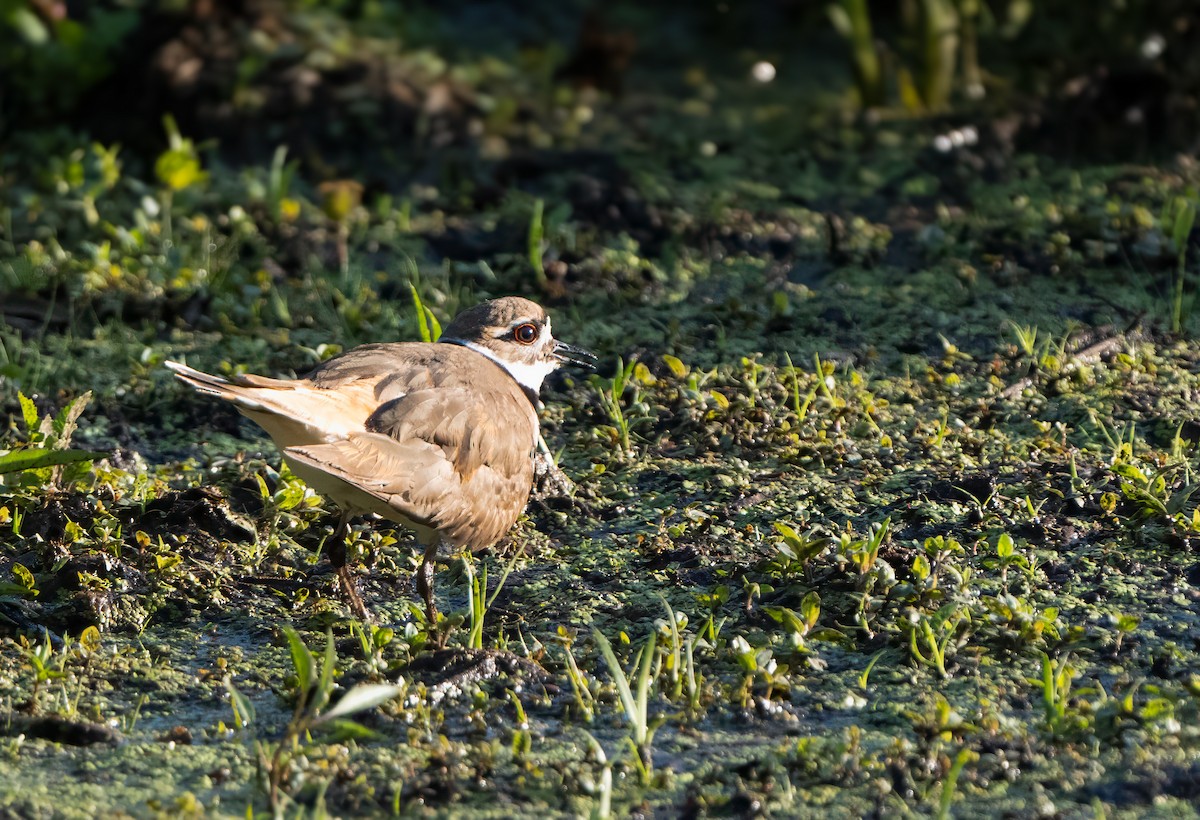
302	660
35	458
618	676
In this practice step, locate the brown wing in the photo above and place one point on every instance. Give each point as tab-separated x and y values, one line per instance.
449	458
396	369
337	397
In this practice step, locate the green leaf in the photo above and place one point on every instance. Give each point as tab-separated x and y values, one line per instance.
619	678
788	618
89	639
789	534
1004	546
35	458
435	327
340	731
1156	708
25	578
646	658
29	412
325	682
921	567
243	709
423	315
302	659
831	635
1185	218
810	608
676	366
840	20
178	170
1132	473
534	240
360	698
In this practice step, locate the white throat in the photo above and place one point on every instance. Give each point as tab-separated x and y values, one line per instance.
529	376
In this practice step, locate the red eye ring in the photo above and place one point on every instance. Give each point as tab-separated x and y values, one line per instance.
526	334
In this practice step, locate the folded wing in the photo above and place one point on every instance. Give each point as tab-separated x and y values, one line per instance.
449	459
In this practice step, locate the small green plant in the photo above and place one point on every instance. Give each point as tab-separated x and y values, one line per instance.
862	553
678	658
611	400
635	704
799	408
693	680
373	640
961	759
40	658
585	701
1007	556
1124	625
1057	679
313	687
522	740
430	327
45	459
1026	336
283	506
1155	498
1019	622
1180	217
479	603
797	624
932	638
279	184
535	238
758	663
794	552
865	675
178	169
674	647
942	721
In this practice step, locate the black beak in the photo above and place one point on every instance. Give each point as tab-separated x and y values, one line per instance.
574	355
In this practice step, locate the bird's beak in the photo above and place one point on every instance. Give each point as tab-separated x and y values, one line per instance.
574	355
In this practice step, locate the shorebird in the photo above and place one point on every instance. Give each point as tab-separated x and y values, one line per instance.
438	437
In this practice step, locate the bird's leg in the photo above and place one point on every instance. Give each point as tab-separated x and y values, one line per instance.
336	549
424	582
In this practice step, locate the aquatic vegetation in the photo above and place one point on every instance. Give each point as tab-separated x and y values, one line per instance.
634	692
314	684
890	479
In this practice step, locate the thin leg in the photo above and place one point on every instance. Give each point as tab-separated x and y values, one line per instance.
336	549
424	583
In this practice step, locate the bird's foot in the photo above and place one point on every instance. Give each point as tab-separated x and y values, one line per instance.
549	481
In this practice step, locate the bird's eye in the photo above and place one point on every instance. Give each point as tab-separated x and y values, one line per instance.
526	334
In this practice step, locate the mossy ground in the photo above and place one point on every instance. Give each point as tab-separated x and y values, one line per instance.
949	375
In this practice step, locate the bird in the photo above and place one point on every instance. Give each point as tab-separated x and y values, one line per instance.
439	437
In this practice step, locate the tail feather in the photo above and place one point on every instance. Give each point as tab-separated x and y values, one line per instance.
215	386
293	412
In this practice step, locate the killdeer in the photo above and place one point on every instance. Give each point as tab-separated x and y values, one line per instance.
437	437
